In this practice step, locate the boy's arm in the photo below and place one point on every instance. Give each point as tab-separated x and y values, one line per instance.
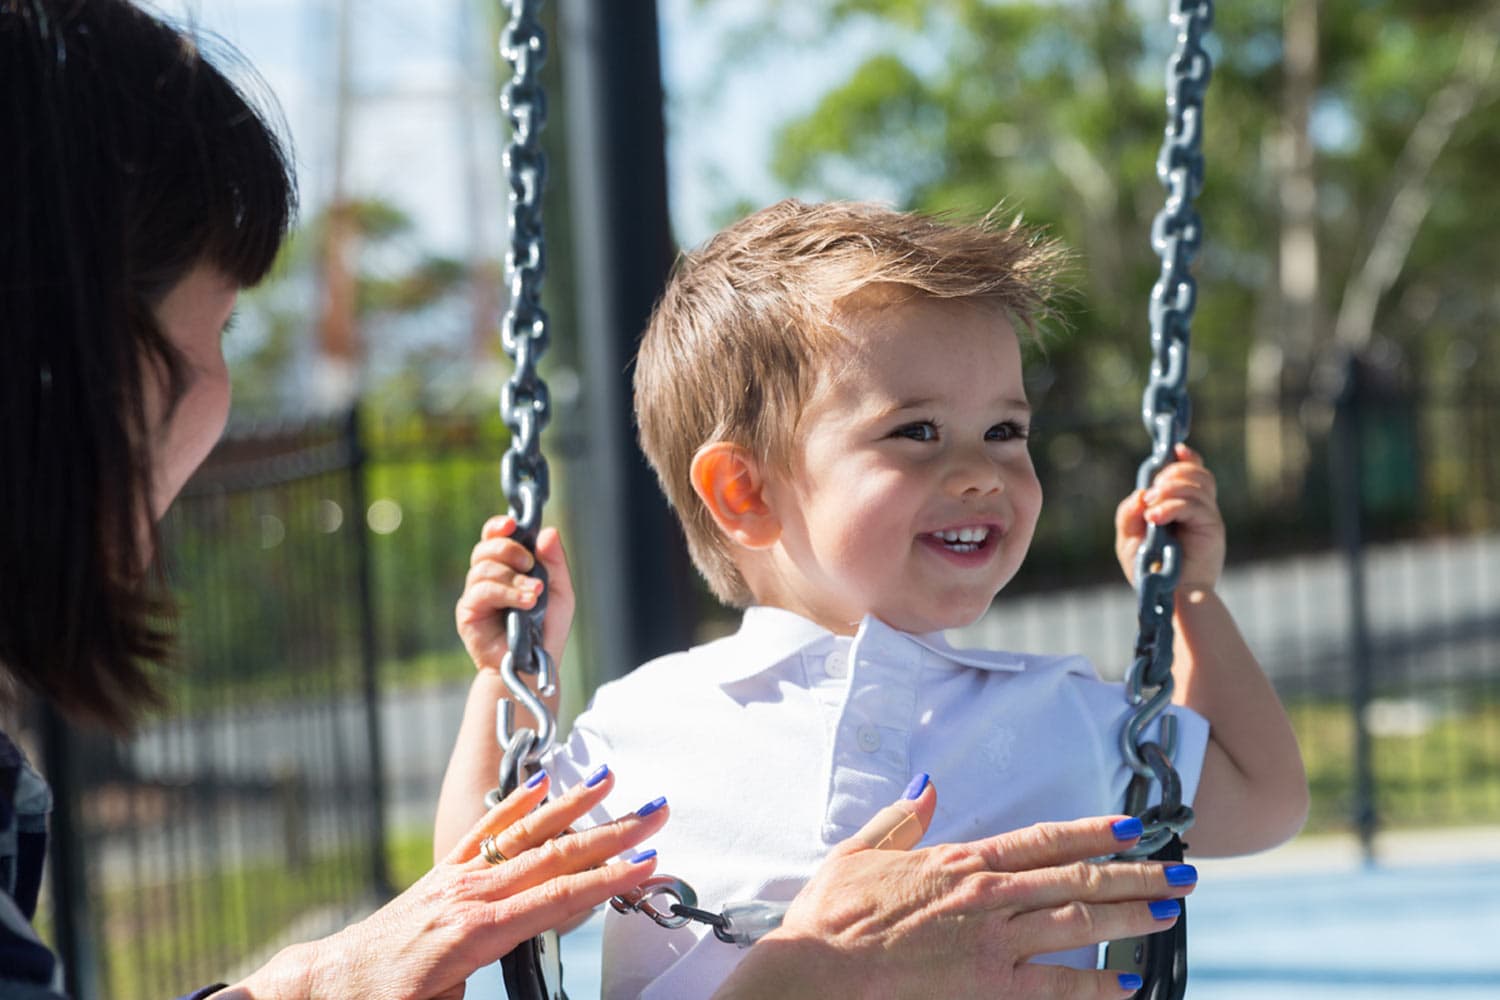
497	580
1253	791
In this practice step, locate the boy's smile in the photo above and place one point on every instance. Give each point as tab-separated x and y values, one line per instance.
912	495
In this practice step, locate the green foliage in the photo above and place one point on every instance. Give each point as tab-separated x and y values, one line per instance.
1056	109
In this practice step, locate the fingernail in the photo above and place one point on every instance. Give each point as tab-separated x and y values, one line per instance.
643	857
918	786
1181	874
1128	829
536	779
651	807
1130	981
1165	909
597	776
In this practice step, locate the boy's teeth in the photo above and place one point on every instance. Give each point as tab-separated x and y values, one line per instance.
964	535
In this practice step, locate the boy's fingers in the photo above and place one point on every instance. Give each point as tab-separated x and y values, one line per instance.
549	550
1183	479
483	598
560	601
506	576
1129	513
506	551
498	526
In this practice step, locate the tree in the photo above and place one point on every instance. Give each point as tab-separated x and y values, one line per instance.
1347	144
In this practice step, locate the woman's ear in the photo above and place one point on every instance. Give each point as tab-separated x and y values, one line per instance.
727	478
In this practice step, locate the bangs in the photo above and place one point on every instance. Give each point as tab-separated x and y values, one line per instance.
214	182
249	193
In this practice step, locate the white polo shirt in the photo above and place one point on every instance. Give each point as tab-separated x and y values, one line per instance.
775	743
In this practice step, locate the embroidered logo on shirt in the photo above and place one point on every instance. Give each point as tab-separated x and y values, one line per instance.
998	747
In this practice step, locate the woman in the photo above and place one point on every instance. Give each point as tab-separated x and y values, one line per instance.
138	193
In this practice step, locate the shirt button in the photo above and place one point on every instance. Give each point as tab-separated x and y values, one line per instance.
868	738
836	665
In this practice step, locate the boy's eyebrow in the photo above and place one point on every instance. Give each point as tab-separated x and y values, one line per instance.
923	402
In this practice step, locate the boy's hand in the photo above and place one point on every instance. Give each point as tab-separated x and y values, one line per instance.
1183	494
498	581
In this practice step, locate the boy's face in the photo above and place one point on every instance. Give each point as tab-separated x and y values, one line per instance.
912	495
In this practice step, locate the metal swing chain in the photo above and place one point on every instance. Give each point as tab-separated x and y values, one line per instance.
1176	235
525	404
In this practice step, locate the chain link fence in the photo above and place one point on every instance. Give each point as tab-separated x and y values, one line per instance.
321	682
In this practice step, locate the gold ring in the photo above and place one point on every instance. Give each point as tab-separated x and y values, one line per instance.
490	851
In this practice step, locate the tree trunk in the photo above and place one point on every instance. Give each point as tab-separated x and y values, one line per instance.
1275	449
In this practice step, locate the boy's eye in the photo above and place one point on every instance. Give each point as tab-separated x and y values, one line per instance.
1008	430
922	430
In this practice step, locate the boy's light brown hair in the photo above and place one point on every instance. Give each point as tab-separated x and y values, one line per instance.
748	324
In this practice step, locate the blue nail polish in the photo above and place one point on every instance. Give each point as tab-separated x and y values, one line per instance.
651	807
1180	874
643	857
1130	981
918	786
536	779
1165	909
597	776
1128	829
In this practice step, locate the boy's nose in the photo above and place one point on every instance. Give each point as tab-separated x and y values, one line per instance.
973	473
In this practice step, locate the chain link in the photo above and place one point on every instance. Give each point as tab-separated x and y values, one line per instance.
525	404
1176	236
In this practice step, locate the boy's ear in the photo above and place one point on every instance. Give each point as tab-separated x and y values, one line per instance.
727	479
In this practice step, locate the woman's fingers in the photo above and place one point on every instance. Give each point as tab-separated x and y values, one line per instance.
1045	845
900	825
596	847
1076	924
539	827
510	809
1058	982
554	903
542	837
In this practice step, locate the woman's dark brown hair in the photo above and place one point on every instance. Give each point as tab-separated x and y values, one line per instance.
125	159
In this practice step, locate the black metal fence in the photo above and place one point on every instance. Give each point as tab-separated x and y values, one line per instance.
318	589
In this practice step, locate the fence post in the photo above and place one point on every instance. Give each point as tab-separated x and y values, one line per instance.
67	874
380	877
622	254
1347	475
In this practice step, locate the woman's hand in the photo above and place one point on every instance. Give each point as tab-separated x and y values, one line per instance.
960	919
466	913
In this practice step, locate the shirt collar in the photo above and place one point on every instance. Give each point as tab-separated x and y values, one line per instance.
768	636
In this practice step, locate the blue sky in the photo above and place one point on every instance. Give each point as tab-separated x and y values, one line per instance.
405	140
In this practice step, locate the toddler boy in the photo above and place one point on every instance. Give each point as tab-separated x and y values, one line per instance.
832	398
